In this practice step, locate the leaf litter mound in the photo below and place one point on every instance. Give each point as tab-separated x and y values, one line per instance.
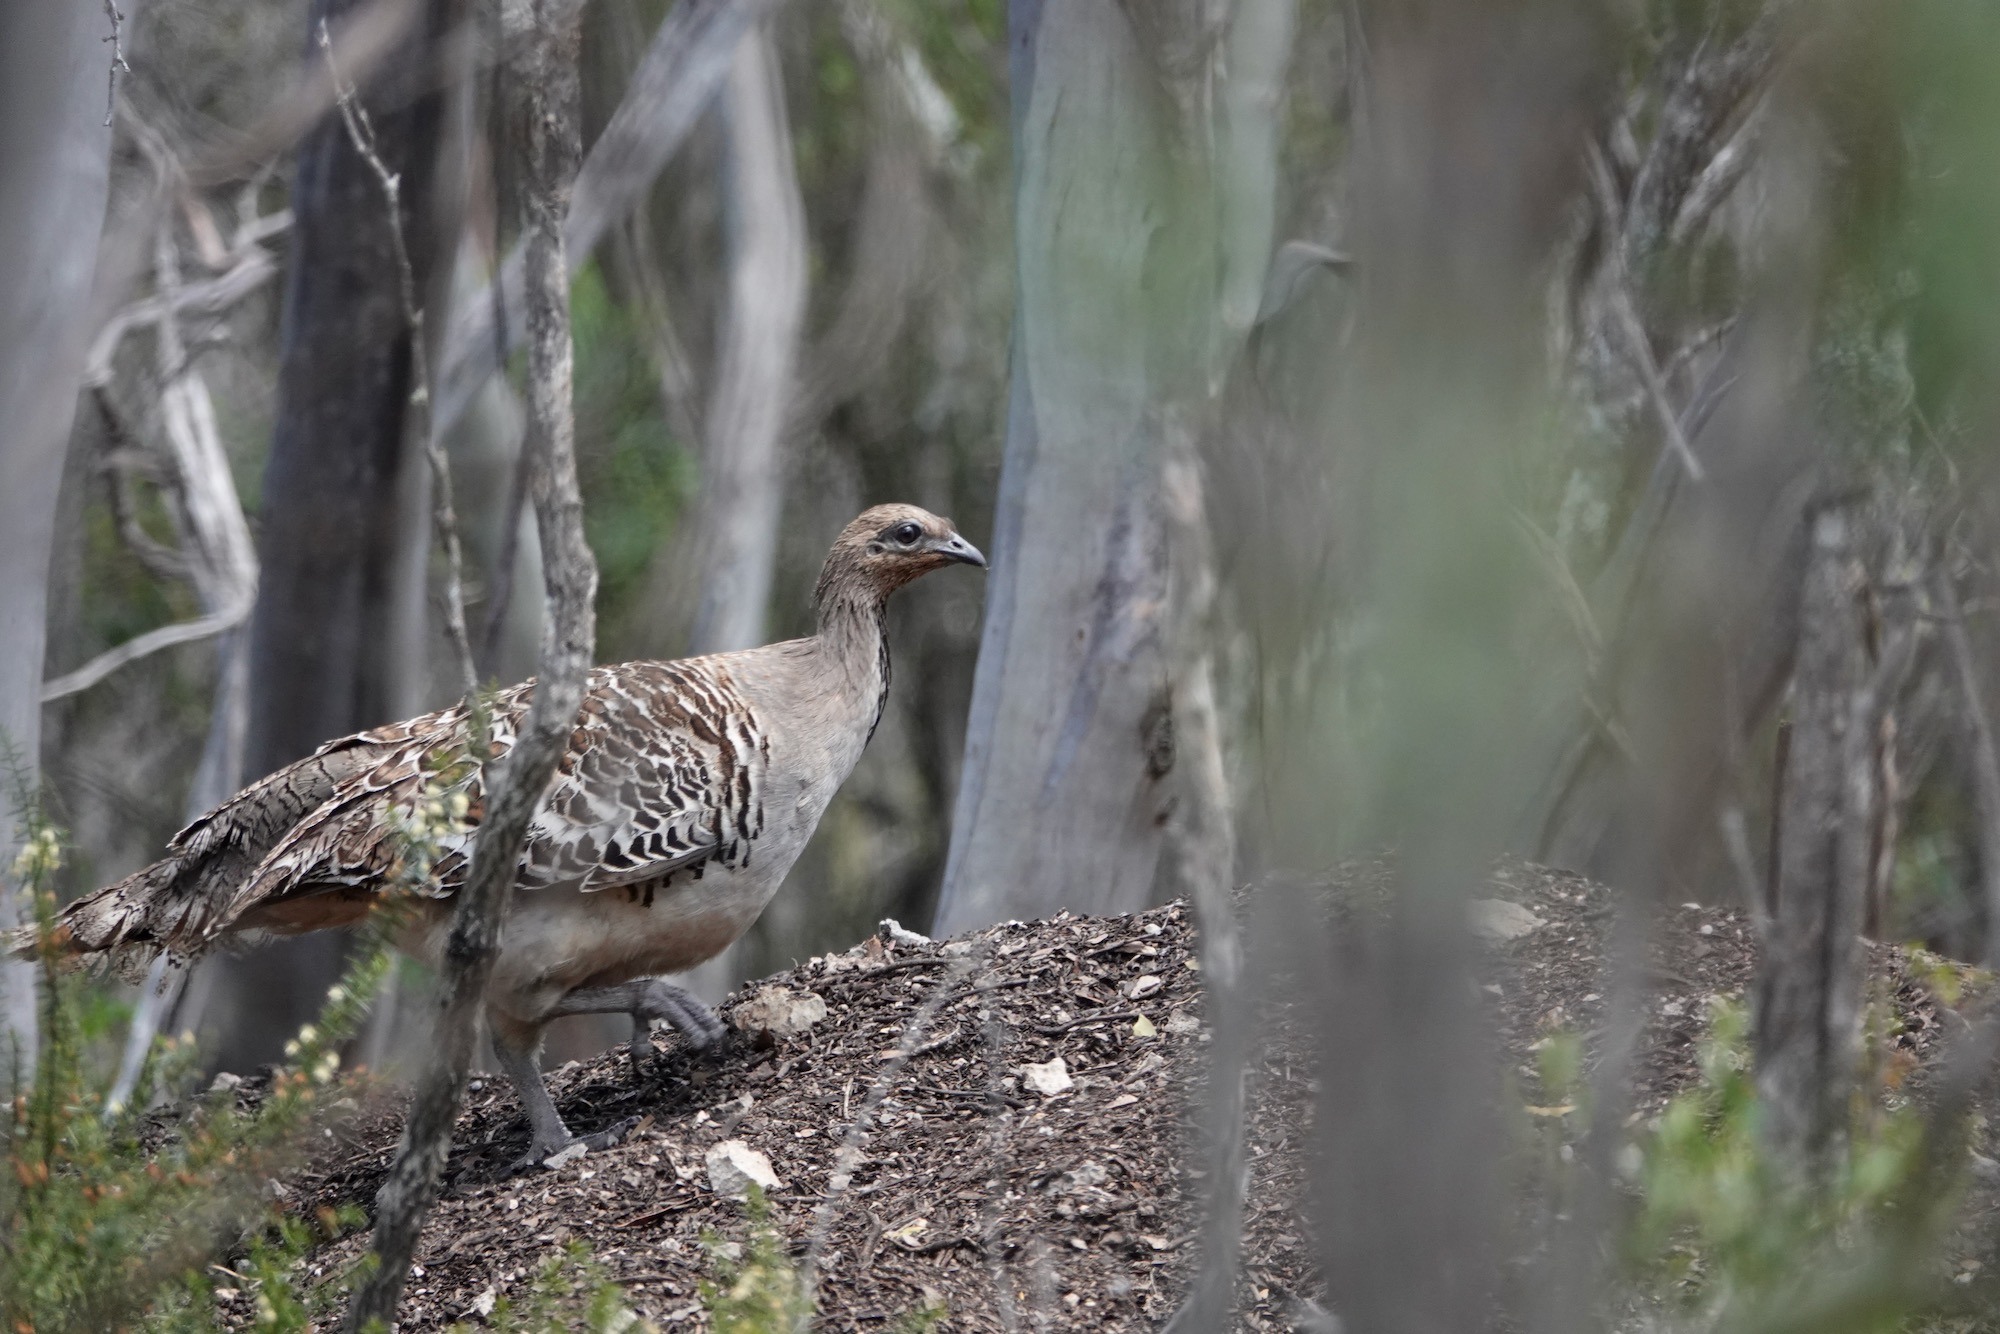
998	1128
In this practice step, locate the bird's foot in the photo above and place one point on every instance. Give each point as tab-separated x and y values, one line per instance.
556	1152
645	1060
688	1014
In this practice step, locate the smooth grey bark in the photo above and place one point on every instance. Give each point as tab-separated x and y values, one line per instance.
1985	757
221	562
337	638
1129	279
717	569
498	526
54	176
742	484
545	80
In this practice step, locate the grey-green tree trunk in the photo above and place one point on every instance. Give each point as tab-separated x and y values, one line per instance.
337	639
1133	279
54	171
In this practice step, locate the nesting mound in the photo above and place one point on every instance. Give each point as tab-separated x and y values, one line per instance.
983	1174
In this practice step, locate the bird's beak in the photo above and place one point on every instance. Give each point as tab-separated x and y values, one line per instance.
958	549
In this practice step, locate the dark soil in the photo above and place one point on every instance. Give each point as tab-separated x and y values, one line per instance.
969	1188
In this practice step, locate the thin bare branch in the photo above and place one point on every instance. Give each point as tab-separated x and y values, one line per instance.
1632	330
250	271
444	516
118	65
848	1156
546	83
1719	178
180	632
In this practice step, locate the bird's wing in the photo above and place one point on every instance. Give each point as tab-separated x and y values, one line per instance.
663	771
388	821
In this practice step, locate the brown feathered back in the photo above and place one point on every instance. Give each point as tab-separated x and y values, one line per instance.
666	775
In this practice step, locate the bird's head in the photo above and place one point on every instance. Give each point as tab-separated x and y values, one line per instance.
887	547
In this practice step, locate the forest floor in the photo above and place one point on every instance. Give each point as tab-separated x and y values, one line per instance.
971	1190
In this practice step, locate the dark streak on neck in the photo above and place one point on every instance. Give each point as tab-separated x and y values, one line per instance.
853	634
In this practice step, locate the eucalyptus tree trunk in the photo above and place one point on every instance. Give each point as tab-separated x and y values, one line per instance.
742	485
1135	278
54	171
337	638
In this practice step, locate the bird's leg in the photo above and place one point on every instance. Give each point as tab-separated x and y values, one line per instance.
647	999
550	1135
546	1123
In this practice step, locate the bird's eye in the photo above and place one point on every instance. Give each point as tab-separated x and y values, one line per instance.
908	533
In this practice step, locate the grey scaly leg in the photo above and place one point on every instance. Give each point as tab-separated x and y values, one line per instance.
647	999
550	1134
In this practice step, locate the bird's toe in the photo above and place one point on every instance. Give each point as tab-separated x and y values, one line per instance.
691	1018
609	1137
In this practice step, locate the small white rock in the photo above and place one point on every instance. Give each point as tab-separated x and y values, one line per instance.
1499	920
566	1155
1049	1078
897	934
780	1012
733	1167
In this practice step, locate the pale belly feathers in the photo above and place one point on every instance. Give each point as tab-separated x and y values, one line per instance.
559	939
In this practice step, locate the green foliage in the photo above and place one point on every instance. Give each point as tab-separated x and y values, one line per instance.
1722	1230
570	1292
263	1284
758	1290
108	1219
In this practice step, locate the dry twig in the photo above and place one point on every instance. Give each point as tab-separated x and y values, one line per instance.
118	65
547	85
444	516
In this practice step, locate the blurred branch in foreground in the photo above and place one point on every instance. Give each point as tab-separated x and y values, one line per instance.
544	82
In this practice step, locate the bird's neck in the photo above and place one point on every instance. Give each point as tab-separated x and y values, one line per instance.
854	647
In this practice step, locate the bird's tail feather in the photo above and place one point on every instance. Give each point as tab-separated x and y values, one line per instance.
146	912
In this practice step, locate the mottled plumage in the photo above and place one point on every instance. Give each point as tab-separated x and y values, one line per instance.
687	791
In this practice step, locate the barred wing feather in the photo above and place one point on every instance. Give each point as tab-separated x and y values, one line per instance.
662	773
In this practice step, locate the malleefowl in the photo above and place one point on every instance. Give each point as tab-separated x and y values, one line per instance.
687	791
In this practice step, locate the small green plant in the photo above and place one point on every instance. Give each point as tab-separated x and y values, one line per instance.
926	1318
758	1290
1722	1231
570	1292
263	1284
109	1219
